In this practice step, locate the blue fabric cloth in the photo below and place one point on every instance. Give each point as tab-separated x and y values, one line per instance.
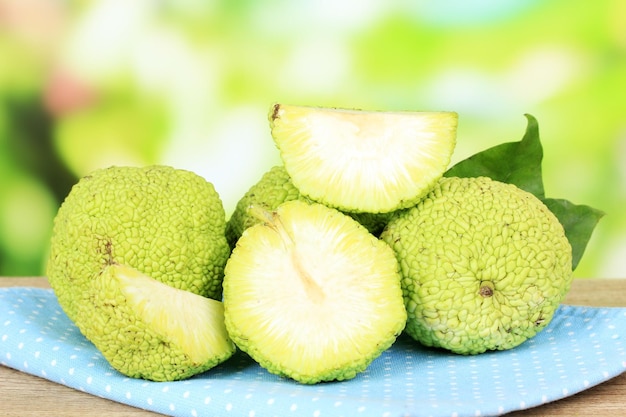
580	348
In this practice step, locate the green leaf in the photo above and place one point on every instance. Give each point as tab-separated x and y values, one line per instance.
578	222
519	163
516	163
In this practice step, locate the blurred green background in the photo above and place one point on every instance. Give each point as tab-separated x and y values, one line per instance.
189	83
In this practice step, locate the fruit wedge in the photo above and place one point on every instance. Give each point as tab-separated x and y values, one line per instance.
363	161
310	294
147	329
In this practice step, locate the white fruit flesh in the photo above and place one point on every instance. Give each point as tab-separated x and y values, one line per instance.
312	293
190	321
363	161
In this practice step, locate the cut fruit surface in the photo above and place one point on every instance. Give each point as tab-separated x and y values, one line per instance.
363	161
311	295
147	329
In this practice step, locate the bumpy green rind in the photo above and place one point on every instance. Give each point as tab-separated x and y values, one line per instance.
128	344
274	188
165	222
484	265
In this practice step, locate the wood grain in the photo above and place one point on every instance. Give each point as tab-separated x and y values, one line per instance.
25	395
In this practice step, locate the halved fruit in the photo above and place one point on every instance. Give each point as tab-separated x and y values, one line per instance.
310	294
363	161
147	329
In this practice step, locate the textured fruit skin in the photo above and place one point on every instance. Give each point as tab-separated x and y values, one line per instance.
167	223
274	188
484	265
329	330
140	350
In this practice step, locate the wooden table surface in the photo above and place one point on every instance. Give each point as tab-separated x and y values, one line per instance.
25	395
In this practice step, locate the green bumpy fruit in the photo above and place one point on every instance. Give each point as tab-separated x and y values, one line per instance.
484	265
274	188
165	222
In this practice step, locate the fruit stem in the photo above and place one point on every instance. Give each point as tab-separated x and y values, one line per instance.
486	289
271	219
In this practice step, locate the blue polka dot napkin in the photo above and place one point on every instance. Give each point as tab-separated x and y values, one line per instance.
580	348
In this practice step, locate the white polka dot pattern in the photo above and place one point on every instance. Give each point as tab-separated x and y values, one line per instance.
581	347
